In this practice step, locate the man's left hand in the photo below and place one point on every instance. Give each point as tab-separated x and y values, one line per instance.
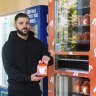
45	59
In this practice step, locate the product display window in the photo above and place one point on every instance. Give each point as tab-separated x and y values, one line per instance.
72	25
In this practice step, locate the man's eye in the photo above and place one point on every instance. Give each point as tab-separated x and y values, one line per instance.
21	23
27	23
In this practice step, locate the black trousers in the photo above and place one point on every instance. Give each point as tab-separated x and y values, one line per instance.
14	90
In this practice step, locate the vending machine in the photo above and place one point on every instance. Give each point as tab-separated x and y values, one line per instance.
72	43
39	25
38	20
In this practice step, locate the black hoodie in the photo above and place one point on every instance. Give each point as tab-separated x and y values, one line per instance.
20	57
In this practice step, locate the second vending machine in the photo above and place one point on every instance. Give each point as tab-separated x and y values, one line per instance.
39	25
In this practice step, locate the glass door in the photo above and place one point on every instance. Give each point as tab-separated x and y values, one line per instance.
72	25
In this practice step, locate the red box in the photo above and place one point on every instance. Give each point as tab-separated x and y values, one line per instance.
42	69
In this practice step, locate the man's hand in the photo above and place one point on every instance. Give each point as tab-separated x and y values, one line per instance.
45	59
34	77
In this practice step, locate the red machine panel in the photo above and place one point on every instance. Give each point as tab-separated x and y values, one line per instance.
72	43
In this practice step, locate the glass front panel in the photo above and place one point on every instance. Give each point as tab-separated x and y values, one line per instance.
71	86
72	25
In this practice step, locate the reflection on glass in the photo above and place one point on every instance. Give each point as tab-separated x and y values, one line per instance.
61	85
34	28
72	25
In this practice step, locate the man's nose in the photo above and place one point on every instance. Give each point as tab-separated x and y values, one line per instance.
25	25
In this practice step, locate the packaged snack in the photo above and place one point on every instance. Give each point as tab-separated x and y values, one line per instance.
42	69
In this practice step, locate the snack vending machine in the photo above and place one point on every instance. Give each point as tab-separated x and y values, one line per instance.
39	25
72	43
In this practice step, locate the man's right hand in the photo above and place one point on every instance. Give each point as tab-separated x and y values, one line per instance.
34	77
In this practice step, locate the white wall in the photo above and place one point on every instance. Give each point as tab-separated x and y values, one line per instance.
0	51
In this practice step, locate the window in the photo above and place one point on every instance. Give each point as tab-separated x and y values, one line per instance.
6	25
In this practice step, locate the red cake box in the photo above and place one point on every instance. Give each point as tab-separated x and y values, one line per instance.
42	69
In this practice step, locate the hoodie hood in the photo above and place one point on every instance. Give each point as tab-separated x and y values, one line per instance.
13	35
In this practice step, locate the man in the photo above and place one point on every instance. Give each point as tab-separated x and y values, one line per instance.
21	55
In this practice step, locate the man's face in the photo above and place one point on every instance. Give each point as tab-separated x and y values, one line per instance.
22	25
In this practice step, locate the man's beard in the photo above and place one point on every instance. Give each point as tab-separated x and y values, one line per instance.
23	32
